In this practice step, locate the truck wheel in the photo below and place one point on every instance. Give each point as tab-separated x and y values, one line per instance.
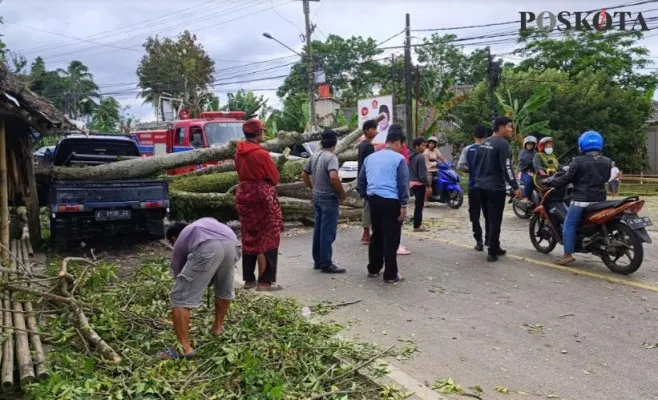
59	234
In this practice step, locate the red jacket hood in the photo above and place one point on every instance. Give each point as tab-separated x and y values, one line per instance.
245	147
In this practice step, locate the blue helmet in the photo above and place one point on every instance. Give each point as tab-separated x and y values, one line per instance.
590	141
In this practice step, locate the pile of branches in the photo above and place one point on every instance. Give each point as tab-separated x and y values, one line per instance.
268	349
210	191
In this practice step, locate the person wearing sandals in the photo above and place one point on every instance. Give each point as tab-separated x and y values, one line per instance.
419	182
384	181
259	211
365	149
205	253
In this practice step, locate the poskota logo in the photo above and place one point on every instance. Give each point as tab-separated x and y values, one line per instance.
602	20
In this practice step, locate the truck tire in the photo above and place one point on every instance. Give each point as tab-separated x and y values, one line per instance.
59	234
156	227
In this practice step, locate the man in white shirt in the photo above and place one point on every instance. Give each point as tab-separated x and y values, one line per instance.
615	177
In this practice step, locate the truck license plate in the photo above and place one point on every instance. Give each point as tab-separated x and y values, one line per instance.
638	222
112	215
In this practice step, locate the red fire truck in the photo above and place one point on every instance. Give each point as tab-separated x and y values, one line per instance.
209	130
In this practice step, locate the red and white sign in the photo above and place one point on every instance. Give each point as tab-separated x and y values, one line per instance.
371	109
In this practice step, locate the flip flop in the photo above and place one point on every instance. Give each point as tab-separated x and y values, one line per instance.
402	251
171	354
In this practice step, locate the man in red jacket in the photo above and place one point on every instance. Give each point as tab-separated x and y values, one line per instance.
261	221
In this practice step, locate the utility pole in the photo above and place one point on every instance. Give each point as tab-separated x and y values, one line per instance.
394	114
309	54
407	78
493	72
417	100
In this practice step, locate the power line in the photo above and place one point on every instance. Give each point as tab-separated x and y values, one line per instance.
519	21
234	9
106	34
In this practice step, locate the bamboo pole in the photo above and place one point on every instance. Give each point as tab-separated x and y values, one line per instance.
7	370
32	204
4	196
23	357
39	355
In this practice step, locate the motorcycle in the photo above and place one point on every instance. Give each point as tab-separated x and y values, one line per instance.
609	230
445	186
524	210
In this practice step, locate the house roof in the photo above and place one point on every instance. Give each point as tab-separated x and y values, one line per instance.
19	102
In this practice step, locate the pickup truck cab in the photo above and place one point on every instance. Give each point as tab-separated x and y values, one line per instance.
83	209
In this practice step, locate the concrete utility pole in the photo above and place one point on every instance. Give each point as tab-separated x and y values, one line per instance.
407	80
309	54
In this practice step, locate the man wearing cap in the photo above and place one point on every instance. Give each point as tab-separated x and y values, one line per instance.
321	175
261	221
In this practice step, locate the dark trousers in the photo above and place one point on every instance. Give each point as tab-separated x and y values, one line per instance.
419	194
385	239
493	202
475	209
327	211
250	262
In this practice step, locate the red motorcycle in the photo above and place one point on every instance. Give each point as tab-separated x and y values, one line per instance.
611	230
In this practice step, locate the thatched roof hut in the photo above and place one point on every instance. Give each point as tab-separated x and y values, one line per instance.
21	113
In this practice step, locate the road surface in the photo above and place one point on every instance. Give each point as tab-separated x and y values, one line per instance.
524	324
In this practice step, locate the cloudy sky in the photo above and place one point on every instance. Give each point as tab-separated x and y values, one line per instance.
107	34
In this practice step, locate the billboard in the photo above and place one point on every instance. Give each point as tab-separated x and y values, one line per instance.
371	108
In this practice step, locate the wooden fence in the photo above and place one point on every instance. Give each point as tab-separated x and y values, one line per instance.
644	185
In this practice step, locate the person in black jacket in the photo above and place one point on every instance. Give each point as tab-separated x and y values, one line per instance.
526	155
419	181
365	149
493	166
589	174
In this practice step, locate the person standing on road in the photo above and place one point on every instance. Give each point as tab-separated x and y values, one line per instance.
493	166
467	163
365	149
385	182
205	253
256	201
615	178
419	182
321	176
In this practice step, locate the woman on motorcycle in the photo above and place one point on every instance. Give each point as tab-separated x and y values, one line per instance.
589	173
433	154
526	158
545	160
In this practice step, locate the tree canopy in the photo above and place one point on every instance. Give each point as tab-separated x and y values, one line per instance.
248	102
178	68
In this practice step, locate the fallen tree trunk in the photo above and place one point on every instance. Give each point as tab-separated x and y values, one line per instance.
344	150
148	166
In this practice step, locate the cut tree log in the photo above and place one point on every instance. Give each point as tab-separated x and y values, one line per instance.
148	166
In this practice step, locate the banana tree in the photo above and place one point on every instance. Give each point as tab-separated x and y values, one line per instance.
522	115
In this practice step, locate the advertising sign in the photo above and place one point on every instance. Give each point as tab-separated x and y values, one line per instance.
371	109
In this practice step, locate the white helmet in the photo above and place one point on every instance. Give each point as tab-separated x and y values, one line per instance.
529	139
433	139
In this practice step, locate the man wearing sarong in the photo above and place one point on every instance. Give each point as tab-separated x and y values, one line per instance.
258	208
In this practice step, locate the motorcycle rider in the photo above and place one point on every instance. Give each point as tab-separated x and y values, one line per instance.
433	154
526	158
589	173
545	160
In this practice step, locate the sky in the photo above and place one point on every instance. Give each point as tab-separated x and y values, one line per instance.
107	35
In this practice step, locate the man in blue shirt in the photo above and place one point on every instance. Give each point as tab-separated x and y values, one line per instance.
384	181
467	163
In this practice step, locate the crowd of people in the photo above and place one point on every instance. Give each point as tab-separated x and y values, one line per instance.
206	251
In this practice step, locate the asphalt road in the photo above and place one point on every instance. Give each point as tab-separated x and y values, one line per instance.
523	324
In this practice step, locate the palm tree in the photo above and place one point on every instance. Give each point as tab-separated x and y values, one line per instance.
81	90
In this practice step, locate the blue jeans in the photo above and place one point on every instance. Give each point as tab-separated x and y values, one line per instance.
570	227
528	185
324	230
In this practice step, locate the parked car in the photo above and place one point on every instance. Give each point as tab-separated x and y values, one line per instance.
348	171
44	155
82	209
